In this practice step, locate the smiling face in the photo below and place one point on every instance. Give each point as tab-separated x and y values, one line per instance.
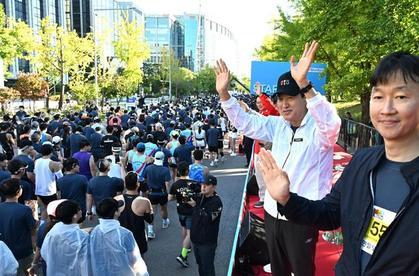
292	108
394	109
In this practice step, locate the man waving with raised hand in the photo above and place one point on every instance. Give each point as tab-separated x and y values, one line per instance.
302	144
376	200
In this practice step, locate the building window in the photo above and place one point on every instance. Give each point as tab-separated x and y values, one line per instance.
57	12
20	10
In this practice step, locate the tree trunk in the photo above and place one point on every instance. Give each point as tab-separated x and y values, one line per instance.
365	107
47	98
60	103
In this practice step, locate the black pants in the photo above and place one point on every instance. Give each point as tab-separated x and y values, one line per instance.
291	247
204	255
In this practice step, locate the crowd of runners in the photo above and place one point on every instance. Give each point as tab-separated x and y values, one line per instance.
111	169
120	167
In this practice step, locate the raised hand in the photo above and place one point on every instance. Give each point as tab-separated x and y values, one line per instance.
276	180
222	79
299	71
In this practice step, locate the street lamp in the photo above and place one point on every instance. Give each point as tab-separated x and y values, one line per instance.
94	37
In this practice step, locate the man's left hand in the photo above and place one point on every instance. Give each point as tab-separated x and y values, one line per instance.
299	71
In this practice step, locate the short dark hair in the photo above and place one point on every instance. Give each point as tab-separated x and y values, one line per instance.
131	181
182	139
103	165
68	164
183	168
198	155
46	150
10	187
15	165
398	62
66	210
107	207
3	157
84	143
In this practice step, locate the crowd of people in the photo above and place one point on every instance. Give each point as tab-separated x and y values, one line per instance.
114	170
57	172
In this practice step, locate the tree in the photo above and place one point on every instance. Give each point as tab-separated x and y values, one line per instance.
131	50
16	41
60	53
7	94
205	80
353	36
152	80
183	81
31	86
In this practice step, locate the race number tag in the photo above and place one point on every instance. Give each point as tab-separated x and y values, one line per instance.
380	221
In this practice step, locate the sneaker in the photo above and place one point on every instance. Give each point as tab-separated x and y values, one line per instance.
166	223
150	234
233	154
183	261
212	164
258	204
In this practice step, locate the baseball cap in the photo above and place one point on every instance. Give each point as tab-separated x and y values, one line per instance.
15	165
141	146
56	139
52	206
107	207
210	180
158	158
287	86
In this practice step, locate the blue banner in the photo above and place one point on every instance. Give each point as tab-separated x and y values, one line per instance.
266	73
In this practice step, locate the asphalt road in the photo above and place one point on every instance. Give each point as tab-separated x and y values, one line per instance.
162	251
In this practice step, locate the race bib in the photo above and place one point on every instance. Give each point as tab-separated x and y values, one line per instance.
379	223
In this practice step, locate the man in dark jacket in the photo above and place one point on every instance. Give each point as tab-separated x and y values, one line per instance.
205	225
376	199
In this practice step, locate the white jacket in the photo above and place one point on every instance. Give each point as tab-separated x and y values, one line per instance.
114	252
66	250
306	155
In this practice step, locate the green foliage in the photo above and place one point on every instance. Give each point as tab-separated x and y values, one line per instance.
16	39
152	77
353	36
31	86
205	80
131	50
183	81
353	107
60	53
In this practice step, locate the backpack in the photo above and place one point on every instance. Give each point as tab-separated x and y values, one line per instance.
196	172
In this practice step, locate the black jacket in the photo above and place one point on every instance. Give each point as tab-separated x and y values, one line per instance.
350	205
204	228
